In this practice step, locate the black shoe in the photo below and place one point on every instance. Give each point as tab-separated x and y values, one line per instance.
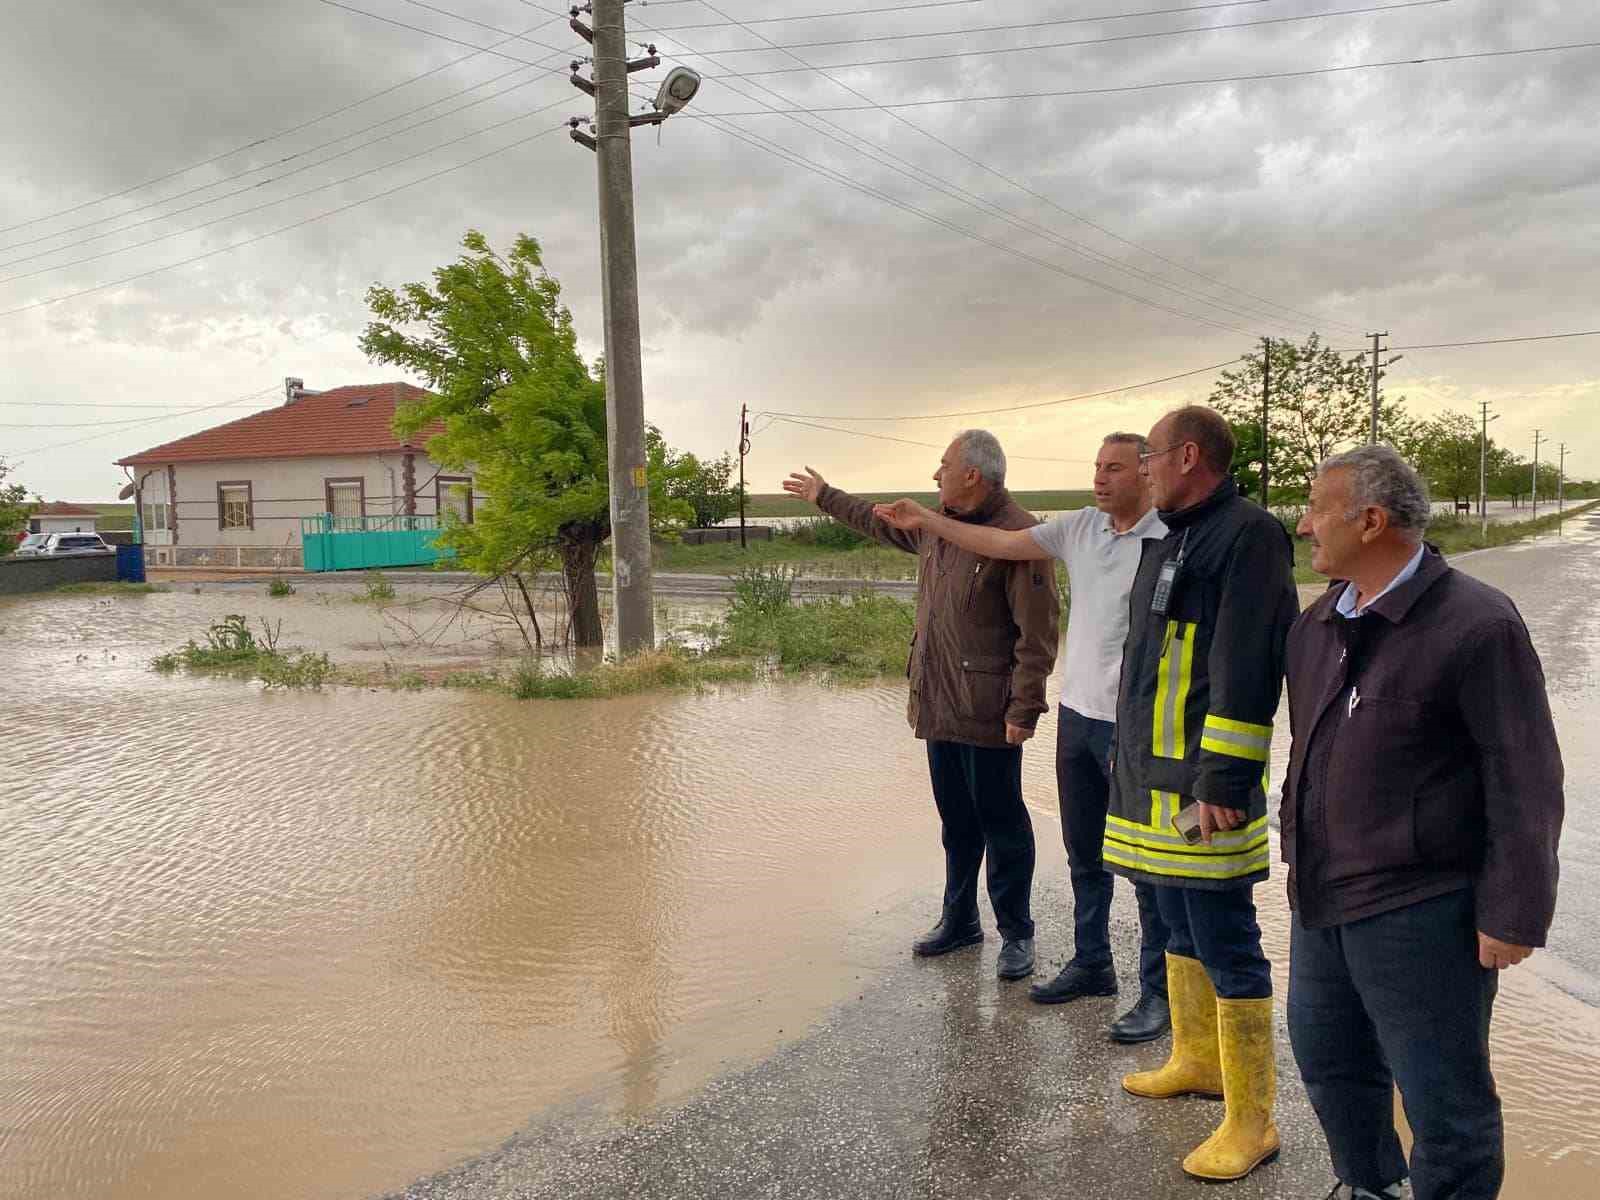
1344	1191
947	936
1016	959
1144	1022
1075	980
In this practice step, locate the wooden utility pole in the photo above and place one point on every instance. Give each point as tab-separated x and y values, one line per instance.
1533	493
744	448
1561	483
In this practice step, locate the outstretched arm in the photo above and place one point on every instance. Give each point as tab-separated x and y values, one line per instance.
1009	545
850	510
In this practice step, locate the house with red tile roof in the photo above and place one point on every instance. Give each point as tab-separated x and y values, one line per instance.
235	495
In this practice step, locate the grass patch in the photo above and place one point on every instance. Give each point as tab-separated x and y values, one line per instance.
280	587
847	637
110	588
379	590
232	649
669	668
867	560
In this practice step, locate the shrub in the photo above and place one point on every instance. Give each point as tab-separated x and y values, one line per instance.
827	533
280	587
762	589
379	589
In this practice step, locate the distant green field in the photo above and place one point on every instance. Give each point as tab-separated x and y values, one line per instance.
781	504
114	516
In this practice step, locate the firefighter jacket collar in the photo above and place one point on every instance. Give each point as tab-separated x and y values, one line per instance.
1185	517
1394	605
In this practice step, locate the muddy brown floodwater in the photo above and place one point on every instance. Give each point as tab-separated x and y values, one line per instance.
262	945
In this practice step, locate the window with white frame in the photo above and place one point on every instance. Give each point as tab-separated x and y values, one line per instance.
156	516
347	497
235	509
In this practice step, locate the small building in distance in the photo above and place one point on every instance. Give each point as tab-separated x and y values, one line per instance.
60	517
235	495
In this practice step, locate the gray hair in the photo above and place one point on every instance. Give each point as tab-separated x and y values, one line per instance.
1136	440
980	450
1379	477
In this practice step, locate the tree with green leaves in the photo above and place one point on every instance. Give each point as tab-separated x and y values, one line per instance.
706	486
14	509
520	409
1319	404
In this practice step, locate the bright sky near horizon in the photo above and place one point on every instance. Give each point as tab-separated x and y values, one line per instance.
922	260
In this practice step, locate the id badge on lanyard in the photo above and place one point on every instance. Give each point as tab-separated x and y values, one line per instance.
1167	580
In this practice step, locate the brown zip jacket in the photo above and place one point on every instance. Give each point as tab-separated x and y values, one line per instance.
987	631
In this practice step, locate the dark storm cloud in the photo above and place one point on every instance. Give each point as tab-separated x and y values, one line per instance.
1438	201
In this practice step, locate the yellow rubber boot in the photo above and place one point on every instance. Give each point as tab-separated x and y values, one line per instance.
1194	1067
1247	1137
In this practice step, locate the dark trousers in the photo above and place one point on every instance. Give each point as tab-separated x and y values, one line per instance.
1083	784
978	790
1400	998
1218	926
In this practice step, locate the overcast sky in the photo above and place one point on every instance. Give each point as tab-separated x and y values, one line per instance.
1441	202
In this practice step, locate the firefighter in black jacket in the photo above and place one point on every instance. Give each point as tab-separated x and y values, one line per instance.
1201	674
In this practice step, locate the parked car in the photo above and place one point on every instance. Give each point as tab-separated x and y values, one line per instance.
62	544
31	544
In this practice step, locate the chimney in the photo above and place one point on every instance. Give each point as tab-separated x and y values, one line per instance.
293	389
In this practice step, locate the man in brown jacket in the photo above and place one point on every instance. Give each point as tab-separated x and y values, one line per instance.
1420	820
985	641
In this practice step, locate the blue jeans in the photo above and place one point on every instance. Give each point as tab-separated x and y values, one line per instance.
1400	998
1083	786
1218	926
978	790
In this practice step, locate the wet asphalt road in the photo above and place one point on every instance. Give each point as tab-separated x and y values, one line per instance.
937	1081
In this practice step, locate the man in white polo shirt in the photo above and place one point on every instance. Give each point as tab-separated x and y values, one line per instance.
1101	547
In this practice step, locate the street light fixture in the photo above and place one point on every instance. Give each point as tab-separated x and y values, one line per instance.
677	89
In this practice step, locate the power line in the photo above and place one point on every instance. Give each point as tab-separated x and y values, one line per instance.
149	421
445	37
898	8
1008	215
1537	337
1174	83
906	37
1119	37
100	287
261	141
985	412
244	212
167	408
288	158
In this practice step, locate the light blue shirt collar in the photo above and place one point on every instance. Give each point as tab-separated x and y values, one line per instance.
1146	526
1346	607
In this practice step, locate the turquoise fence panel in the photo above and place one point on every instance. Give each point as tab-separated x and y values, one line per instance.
331	543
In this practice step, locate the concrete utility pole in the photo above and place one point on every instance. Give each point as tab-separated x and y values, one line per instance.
1266	443
1561	483
1533	494
1483	470
631	582
1376	351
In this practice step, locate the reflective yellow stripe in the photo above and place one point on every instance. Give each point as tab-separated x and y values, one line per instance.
1237	739
1173	676
1138	861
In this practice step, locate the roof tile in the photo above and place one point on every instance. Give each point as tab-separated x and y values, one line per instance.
356	419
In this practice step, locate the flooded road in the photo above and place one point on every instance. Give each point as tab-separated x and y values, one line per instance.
320	945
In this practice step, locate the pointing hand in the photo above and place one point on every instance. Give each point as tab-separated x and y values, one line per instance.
808	486
902	514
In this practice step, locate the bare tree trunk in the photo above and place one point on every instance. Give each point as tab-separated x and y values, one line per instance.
578	554
533	614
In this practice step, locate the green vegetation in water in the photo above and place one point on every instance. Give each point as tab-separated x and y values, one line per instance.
846	637
379	589
280	587
232	649
669	668
110	588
